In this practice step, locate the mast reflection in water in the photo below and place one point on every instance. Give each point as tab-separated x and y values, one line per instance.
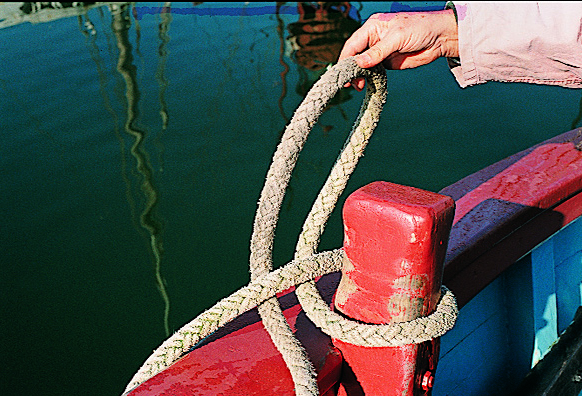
148	219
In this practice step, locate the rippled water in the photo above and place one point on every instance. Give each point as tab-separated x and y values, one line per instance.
135	144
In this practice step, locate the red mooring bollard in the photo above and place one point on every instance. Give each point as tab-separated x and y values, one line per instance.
395	242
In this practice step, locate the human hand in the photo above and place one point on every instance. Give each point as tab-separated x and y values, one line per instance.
402	40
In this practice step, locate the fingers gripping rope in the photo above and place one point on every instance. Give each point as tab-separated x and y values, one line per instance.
308	264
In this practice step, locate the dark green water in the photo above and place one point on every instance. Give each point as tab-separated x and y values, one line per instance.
138	153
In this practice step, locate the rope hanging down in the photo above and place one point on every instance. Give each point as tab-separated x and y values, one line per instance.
308	264
284	161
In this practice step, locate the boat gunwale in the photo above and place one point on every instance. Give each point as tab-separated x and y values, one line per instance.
470	267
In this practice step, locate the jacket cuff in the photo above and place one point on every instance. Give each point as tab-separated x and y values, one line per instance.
456	61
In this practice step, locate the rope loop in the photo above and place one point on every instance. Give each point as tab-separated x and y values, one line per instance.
416	331
293	140
283	163
308	264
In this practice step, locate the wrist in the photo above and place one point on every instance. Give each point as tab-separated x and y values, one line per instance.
450	34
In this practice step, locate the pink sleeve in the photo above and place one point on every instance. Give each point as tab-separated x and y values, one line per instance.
520	42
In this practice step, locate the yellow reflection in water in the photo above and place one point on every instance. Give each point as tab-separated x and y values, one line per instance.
148	219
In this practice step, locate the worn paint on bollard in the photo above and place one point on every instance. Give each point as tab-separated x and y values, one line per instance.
395	243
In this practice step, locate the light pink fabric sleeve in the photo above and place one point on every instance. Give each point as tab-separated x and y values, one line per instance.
520	42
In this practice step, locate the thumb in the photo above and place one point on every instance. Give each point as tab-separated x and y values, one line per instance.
374	55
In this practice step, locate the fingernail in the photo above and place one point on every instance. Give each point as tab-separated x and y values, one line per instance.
363	60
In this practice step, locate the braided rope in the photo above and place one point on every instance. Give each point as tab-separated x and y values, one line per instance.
283	163
308	264
241	301
263	288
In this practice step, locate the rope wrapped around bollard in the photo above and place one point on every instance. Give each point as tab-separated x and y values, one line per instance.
308	264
